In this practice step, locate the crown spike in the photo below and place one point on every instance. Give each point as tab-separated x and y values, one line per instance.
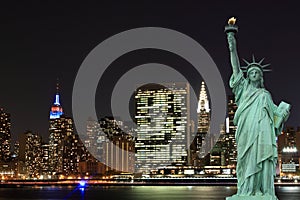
261	60
253	58
254	63
266	65
246	61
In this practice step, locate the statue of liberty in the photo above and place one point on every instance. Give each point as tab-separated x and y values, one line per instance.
259	121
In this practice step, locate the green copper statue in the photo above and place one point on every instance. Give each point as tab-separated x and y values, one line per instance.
259	121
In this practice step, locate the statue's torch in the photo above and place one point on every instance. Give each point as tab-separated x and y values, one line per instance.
231	27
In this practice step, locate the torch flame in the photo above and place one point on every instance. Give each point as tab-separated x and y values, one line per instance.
231	21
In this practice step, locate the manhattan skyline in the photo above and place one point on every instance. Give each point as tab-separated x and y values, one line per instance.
41	42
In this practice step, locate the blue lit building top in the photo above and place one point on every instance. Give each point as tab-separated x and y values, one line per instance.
56	109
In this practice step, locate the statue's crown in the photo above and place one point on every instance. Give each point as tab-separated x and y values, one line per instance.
255	64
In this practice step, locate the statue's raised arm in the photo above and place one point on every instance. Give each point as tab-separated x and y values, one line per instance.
231	29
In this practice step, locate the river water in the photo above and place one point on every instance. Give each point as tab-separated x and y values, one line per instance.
134	193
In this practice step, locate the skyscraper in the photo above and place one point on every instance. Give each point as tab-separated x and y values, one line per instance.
162	117
5	136
201	143
63	142
30	154
33	154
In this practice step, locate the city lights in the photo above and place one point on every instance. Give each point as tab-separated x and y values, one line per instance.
289	150
82	184
156	149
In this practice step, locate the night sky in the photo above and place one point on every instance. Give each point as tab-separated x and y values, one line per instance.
45	40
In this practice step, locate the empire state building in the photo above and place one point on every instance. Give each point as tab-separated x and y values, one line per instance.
63	142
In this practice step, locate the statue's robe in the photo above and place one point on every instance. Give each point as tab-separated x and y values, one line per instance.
255	137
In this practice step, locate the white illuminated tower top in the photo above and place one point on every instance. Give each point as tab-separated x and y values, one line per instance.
203	100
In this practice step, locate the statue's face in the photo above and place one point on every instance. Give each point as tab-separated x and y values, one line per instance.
254	75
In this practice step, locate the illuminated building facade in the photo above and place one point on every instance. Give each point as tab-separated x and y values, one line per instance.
229	144
289	151
162	117
30	155
63	146
63	142
16	149
224	152
218	151
70	143
33	154
118	148
5	136
45	168
95	139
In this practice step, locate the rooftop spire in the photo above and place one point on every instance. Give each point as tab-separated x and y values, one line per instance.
56	101
203	100
57	85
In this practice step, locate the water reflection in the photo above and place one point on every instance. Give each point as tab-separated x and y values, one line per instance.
135	193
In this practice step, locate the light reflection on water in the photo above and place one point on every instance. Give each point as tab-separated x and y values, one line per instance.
290	188
135	193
